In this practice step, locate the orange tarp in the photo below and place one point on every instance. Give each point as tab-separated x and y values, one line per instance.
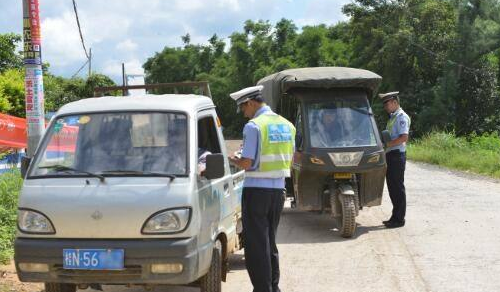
12	132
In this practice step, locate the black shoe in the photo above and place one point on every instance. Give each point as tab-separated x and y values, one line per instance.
387	221
395	224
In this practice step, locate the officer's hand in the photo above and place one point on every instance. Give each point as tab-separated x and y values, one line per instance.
233	159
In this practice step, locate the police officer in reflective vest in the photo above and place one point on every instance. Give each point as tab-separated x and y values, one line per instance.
268	146
399	127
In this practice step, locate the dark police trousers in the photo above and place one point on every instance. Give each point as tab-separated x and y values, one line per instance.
261	208
395	177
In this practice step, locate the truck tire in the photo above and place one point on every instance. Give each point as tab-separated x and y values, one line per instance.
212	281
347	222
59	287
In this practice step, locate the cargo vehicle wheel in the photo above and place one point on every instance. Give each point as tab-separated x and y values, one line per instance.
59	287
212	281
347	222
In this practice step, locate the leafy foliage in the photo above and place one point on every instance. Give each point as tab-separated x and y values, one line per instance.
10	186
478	154
9	58
443	56
57	90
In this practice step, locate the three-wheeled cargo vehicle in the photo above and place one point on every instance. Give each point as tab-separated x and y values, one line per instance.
118	192
339	163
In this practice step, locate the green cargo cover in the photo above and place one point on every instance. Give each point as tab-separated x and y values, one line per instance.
277	84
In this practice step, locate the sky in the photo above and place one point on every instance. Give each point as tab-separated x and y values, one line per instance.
131	31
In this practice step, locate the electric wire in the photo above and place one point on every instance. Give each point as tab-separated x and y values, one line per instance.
80	29
83	66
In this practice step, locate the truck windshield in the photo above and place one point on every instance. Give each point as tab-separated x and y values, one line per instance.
113	144
341	123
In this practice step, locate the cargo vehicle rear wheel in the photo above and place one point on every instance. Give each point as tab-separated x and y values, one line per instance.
347	222
59	287
212	281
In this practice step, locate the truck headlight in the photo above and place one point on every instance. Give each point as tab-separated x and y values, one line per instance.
346	158
168	221
30	221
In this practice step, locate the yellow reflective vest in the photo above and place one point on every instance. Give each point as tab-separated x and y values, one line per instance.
277	136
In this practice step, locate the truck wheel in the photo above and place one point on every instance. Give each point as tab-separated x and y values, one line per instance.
347	222
211	282
59	287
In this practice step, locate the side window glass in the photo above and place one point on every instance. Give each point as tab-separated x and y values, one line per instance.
298	126
208	141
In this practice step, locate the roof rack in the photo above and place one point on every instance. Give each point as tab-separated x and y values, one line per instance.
202	85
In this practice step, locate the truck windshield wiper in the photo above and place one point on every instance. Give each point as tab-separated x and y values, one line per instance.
59	167
138	172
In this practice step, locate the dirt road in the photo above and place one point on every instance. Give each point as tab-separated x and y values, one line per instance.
451	243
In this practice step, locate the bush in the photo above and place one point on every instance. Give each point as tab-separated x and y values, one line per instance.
479	154
10	185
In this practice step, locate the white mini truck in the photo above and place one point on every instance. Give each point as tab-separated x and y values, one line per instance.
116	195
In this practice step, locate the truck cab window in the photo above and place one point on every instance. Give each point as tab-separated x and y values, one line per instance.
208	141
298	126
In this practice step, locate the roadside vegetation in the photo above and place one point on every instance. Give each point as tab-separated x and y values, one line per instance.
10	185
478	154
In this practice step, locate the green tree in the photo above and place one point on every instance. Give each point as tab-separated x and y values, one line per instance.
477	97
12	92
9	58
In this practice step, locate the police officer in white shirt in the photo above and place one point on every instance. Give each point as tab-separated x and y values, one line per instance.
268	146
399	128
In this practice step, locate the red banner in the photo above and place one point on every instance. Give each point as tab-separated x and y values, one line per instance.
12	131
13	135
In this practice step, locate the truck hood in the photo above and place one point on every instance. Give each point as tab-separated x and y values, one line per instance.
117	208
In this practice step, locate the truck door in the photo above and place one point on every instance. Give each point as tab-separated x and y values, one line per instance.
214	195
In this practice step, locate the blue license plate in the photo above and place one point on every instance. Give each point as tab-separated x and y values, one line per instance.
93	259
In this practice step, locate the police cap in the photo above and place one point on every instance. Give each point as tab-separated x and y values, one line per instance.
246	94
385	97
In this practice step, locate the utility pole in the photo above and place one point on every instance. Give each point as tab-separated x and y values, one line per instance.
33	82
124	82
90	61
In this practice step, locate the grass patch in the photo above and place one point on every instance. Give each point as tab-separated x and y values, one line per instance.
10	186
478	154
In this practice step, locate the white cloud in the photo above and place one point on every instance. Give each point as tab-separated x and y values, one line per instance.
127	46
114	67
234	5
190	5
61	43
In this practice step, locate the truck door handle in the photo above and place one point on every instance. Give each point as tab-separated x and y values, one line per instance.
226	189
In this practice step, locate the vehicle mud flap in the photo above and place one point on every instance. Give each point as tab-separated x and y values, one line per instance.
225	269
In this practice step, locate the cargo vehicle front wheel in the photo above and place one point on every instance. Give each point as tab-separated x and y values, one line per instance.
59	287
347	222
212	281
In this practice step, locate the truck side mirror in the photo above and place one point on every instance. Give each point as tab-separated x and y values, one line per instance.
215	166
386	136
25	164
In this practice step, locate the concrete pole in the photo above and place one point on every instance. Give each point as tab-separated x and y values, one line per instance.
33	82
90	62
